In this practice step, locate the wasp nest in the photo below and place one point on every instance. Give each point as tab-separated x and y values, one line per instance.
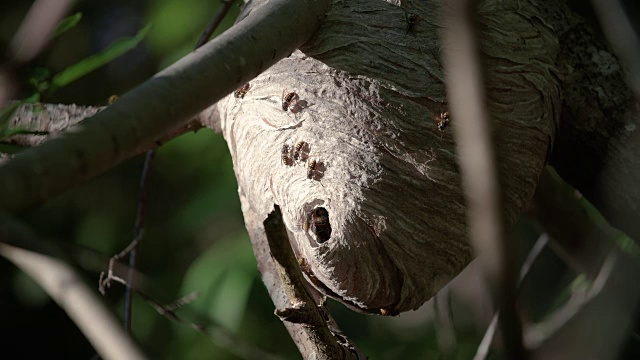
352	138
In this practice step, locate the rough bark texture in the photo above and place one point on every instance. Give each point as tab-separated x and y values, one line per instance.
369	91
48	119
598	147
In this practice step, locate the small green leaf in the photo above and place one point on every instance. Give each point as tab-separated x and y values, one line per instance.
67	24
80	69
628	246
32	99
39	79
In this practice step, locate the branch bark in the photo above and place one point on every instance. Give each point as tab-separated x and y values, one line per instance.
301	313
597	149
164	103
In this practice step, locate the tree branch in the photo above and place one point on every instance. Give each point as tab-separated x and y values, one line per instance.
303	309
162	104
311	327
45	122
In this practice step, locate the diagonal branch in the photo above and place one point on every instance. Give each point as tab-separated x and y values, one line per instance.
162	104
302	310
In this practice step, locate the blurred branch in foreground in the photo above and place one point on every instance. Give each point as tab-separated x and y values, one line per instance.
477	160
62	283
595	322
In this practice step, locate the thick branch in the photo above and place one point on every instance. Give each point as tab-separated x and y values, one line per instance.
45	122
164	103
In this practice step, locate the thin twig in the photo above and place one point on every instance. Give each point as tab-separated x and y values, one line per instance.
587	242
37	27
138	231
106	278
217	19
537	333
534	253
218	334
302	309
32	36
144	180
477	162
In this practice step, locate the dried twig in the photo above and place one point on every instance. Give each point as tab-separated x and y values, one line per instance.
322	339
144	183
138	230
106	278
487	339
217	19
216	333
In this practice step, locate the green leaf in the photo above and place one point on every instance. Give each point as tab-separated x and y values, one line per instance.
80	69
67	24
39	79
223	275
34	98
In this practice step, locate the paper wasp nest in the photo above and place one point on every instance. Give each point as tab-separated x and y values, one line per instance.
351	139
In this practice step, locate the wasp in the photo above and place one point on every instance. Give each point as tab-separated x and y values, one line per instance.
242	91
388	311
311	168
412	21
443	120
285	155
317	220
298	150
288	100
